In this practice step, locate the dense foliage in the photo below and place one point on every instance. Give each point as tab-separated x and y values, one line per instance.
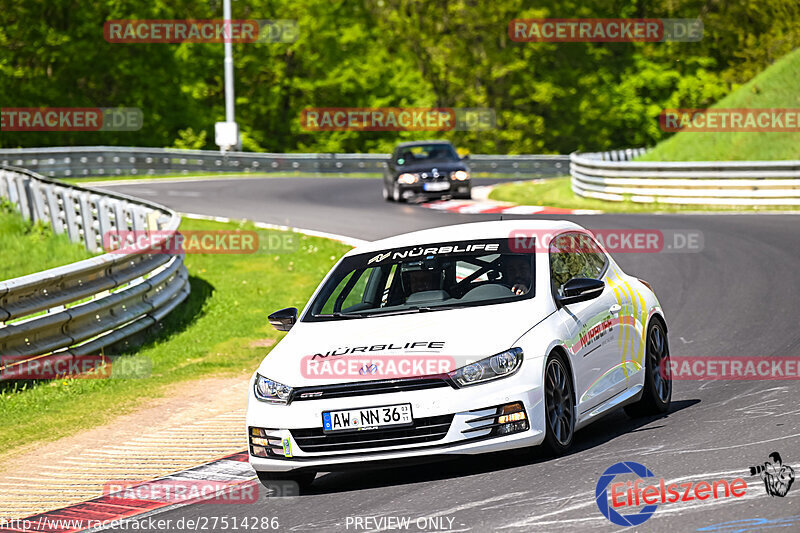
548	97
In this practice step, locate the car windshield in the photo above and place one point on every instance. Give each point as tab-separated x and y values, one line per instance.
424	278
426	152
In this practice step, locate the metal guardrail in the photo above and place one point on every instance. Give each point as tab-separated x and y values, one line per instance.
90	305
615	177
101	161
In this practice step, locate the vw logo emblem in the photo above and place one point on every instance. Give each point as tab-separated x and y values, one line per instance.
368	369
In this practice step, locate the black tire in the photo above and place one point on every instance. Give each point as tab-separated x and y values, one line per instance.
396	196
271	480
386	194
657	393
463	196
559	405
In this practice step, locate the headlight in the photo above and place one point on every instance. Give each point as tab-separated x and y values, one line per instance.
267	390
497	366
407	178
461	175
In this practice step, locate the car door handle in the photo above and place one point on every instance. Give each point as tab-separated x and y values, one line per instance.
614	309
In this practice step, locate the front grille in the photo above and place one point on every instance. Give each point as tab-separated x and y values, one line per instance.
366	387
444	176
424	430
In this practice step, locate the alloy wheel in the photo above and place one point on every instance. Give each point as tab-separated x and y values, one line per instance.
558	402
658	361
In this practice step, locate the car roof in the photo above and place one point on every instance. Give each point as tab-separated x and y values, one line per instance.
421	143
471	231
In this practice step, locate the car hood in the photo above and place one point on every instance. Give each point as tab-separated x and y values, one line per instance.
441	166
457	336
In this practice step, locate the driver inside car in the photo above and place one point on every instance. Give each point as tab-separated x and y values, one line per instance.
423	280
517	273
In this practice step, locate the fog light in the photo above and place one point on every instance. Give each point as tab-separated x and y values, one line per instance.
512	419
258	432
259	451
514	427
515	417
260	441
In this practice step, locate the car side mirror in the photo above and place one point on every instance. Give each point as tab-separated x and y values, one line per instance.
581	290
465	157
284	319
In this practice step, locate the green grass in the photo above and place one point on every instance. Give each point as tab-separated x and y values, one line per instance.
556	192
28	248
208	335
774	87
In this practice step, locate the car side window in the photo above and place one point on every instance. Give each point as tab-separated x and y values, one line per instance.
575	255
595	258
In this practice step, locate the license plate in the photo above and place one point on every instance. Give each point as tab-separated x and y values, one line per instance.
367	418
436	186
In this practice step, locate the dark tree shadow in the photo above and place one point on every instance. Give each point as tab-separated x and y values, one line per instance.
180	318
177	321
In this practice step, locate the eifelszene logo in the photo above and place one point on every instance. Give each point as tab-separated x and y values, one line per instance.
601	494
633	494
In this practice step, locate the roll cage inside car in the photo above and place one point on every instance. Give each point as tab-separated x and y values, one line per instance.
368	288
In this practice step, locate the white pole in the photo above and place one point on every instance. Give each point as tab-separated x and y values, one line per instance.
226	15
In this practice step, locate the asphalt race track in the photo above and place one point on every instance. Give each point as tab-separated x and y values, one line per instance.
736	297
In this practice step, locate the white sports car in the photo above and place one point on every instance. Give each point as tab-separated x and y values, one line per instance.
457	340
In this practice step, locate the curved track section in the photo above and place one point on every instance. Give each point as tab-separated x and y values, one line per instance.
736	297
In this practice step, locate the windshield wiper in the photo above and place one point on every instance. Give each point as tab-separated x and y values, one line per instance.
339	314
414	309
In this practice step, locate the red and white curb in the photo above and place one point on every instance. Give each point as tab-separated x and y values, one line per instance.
490	207
109	510
481	204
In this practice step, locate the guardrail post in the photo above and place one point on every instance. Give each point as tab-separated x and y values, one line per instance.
55	212
22	198
37	202
87	222
70	220
103	220
4	181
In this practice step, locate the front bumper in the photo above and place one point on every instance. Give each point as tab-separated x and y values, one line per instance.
418	190
441	415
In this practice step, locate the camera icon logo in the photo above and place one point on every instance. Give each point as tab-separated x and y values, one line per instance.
777	477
